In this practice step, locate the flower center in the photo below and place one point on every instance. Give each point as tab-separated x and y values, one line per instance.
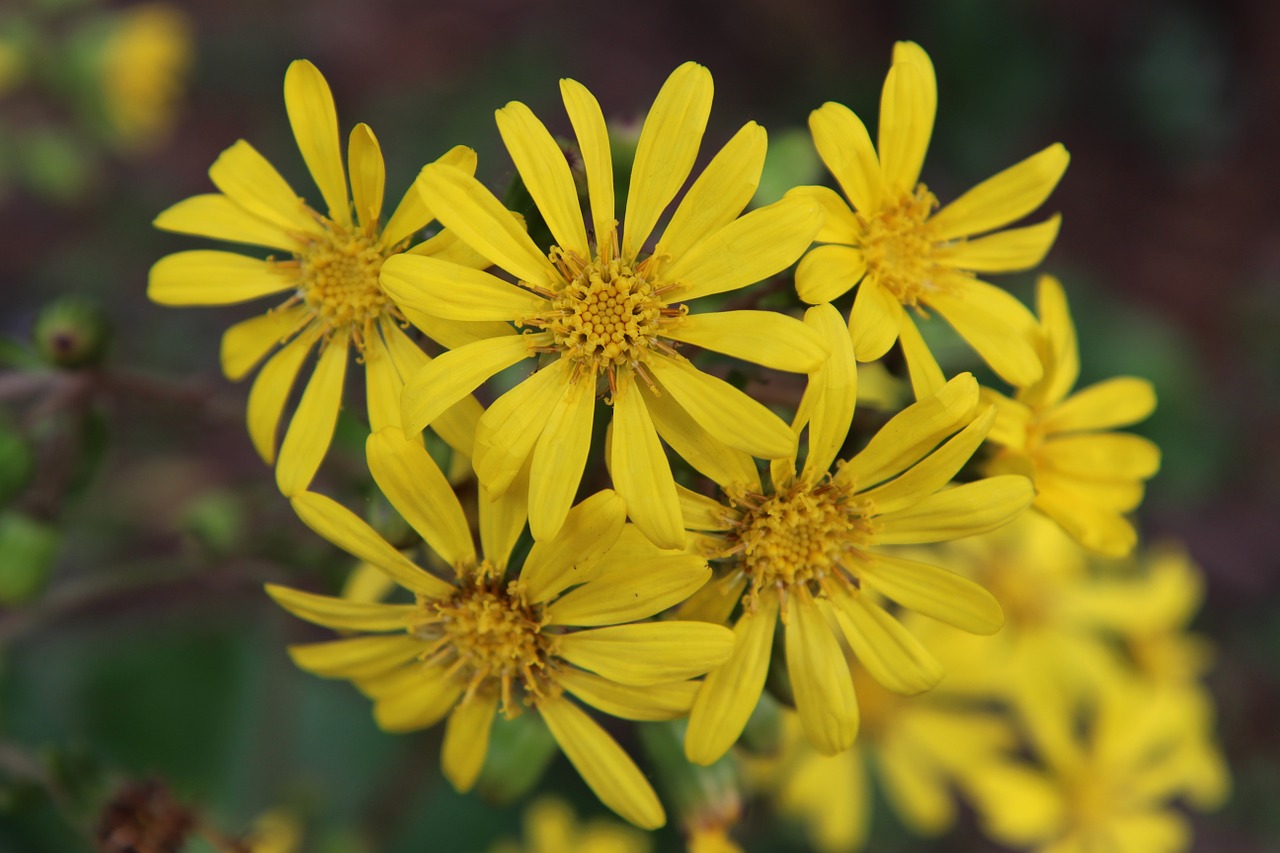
339	279
898	245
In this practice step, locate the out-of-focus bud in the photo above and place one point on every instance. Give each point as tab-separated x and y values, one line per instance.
72	332
27	548
217	521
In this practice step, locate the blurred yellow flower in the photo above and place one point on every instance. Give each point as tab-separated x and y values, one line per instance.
470	648
903	254
145	63
335	300
1086	476
276	831
550	827
604	311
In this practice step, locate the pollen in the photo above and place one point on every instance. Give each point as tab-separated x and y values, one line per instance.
898	246
339	280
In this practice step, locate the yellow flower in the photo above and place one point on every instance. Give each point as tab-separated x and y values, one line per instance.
605	312
144	68
335	300
906	255
275	831
481	644
550	827
1086	477
810	551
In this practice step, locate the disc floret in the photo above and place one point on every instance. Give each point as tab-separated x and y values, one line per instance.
898	245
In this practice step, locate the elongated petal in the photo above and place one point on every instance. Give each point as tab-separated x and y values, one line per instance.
729	414
315	126
412	214
1107	455
933	591
457	425
208	277
245	177
215	216
560	456
502	519
546	175
270	392
907	106
829	272
666	150
368	175
466	740
926	375
604	766
341	614
1005	251
832	392
1113	403
935	470
875	320
591	528
714	602
1060	353
652	702
819	677
248	342
962	511
307	440
641	472
749	249
455	374
703	513
840	224
1005	197
845	146
345	529
731	691
453	292
704	451
382	384
1099	529
719	194
510	428
763	337
1012	419
649	652
420	699
618	597
358	657
416	487
891	654
597	160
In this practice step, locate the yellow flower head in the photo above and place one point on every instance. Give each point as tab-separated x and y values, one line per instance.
905	252
550	827
144	68
1086	476
331	274
480	644
809	550
607	311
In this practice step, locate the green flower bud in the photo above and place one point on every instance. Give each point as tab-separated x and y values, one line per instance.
72	332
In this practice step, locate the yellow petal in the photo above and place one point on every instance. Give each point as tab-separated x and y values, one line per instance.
714	602
891	654
935	470
1005	251
366	582
874	322
933	591
560	456
1113	403
444	289
245	177
962	511
719	194
915	788
831	394
829	272
457	425
819	676
218	217
666	150
412	214
342	614
248	342
455	374
510	428
691	442
727	413
421	700
311	429
358	657
1012	419
314	119
414	484
703	513
995	324
1003	198
1102	530
907	107
1105	455
731	691
545	172
640	470
762	337
749	249
1102	494
926	375
597	160
382	384
845	146
572	557
466	740
1060	354
652	702
453	334
368	175
502	519
604	766
648	652
625	596
207	277
271	389
840	224
343	528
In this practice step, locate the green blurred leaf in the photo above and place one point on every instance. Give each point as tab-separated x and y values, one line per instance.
16	462
27	548
791	161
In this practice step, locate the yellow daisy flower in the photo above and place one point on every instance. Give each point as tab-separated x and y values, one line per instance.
810	551
904	253
550	827
606	312
470	648
335	301
144	72
1086	476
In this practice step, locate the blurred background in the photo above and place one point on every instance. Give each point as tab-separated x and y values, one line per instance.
137	525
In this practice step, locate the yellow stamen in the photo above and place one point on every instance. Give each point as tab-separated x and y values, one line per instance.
898	245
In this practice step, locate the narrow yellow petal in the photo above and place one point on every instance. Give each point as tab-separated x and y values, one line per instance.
1102	494
819	676
648	652
845	146
382	384
314	119
875	320
703	513
1005	251
641	472
572	557
762	337
1109	455
997	326
416	487
368	175
453	334
454	292
215	216
1012	418
597	159
926	375
916	790
907	106
1005	197
367	582
891	654
510	427
731	691
245	177
457	424
208	277
749	249
625	596
358	657
727	413
341	614
831	394
962	511
455	374
719	194
424	696
560	456
934	471
668	145
1113	403
466	740
343	528
715	601
652	702
248	342
840	224
1060	352
604	766
502	519
829	272
691	442
545	172
412	214
271	389
307	439
933	591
